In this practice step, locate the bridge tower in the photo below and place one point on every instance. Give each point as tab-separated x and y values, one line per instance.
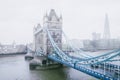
42	42
54	24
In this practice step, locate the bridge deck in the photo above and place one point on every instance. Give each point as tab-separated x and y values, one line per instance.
84	69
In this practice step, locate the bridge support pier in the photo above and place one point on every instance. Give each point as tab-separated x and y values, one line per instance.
42	63
29	56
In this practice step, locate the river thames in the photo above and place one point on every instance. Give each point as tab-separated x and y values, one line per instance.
14	67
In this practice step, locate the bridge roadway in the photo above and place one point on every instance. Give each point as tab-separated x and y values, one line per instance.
100	73
112	65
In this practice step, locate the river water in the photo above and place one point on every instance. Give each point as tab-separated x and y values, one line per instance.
14	67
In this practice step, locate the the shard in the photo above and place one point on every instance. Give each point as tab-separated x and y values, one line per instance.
106	34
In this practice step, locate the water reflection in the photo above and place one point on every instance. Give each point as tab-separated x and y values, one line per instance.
53	74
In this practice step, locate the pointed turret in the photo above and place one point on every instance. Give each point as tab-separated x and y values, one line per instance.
45	18
38	25
60	19
52	15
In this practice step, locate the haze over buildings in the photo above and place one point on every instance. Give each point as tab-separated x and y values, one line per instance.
80	17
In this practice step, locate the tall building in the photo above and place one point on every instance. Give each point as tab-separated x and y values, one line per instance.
102	44
96	36
106	34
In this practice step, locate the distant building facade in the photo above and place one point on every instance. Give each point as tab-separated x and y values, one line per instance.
12	49
96	36
98	43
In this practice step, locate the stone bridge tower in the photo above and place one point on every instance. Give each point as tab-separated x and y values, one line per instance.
42	42
54	24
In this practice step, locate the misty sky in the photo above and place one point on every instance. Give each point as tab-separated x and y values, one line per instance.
80	17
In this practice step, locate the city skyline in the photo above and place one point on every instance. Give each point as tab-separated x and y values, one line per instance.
80	18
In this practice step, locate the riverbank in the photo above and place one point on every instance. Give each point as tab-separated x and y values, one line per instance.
11	54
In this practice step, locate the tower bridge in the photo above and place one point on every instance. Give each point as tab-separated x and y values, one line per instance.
49	54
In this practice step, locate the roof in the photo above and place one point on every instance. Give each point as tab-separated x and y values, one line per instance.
52	14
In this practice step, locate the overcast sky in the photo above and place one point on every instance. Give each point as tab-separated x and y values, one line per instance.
80	17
